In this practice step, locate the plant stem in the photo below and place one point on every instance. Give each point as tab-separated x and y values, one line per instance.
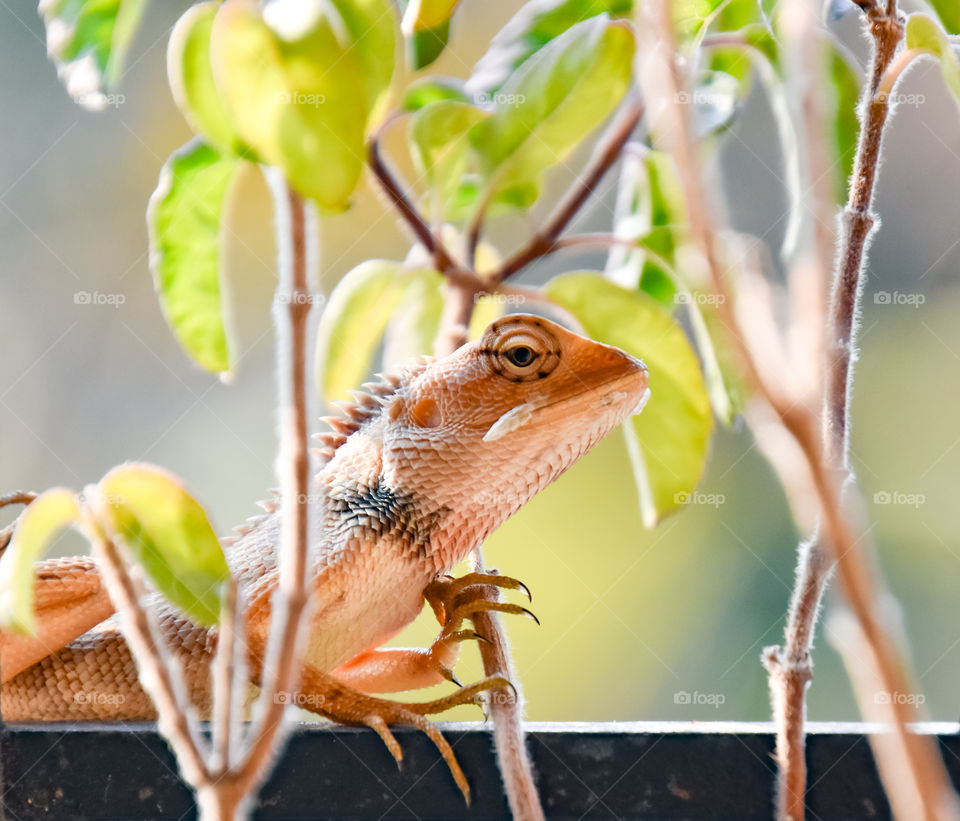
506	711
925	783
281	669
225	682
175	718
604	156
15	497
407	210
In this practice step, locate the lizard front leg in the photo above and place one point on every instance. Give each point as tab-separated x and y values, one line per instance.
395	669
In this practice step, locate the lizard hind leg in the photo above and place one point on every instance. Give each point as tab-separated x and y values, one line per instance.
323	694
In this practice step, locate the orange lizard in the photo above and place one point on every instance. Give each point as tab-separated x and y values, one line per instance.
402	495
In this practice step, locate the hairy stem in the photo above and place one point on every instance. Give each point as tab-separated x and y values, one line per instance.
506	710
281	668
225	683
913	773
158	675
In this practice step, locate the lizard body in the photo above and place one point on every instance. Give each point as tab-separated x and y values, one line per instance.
414	474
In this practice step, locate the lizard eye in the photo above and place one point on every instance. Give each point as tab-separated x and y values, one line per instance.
520	355
521	348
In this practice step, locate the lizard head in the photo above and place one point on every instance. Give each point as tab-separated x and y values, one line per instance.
488	426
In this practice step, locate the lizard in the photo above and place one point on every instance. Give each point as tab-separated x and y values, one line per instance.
413	474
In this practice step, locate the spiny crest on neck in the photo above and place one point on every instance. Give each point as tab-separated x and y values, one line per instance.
367	404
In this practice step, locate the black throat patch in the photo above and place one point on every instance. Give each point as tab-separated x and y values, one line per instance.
386	514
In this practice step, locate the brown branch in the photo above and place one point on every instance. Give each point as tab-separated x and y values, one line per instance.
925	774
604	156
401	202
157	674
281	669
506	711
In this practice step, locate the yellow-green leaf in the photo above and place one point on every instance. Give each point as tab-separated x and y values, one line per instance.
529	30
191	79
88	40
668	442
183	223
354	321
169	535
925	34
48	514
413	327
300	92
439	144
551	102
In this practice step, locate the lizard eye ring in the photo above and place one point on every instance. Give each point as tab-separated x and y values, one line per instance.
521	349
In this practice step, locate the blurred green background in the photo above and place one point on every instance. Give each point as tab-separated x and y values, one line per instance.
631	619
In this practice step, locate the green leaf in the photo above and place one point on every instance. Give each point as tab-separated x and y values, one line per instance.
88	41
424	47
692	17
412	330
439	143
169	535
183	222
43	519
668	441
432	90
191	79
529	30
842	113
949	13
554	100
354	320
422	15
925	34
651	210
300	95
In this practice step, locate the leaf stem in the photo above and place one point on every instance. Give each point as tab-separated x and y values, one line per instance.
604	156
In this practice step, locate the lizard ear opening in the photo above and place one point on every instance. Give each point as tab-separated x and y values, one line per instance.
426	414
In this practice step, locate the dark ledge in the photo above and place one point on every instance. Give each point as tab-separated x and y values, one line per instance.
646	770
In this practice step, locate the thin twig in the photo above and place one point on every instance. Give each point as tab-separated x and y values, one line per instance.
506	711
790	668
399	200
281	669
925	774
15	497
225	682
604	156
159	676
